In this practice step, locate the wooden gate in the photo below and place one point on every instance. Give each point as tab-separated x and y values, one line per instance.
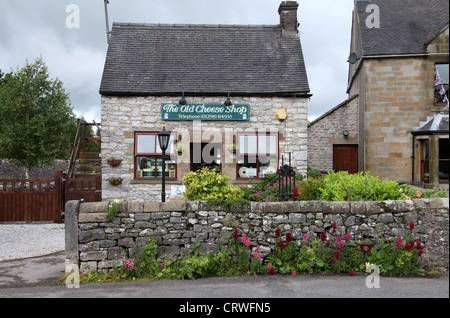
88	189
345	158
31	200
43	200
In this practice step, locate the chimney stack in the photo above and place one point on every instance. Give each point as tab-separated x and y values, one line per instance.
288	17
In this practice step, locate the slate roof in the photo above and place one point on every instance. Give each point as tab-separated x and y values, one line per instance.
157	59
405	25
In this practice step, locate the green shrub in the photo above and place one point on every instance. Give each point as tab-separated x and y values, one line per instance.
207	184
342	186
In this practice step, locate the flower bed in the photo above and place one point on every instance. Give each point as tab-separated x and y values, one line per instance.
399	256
324	237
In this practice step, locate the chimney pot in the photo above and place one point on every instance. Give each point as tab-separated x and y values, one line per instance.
288	17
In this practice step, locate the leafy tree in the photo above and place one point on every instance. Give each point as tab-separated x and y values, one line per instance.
36	118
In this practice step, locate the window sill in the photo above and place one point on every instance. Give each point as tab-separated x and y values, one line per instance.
155	181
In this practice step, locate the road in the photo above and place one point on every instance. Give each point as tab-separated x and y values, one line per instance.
37	277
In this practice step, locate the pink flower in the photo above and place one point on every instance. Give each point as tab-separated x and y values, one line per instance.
294	273
305	237
347	236
352	273
341	245
258	248
269	266
247	243
338	239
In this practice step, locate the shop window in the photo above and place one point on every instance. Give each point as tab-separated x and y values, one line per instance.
257	155
206	155
443	160
441	83
148	157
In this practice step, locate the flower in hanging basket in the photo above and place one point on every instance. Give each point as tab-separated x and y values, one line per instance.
115	180
179	150
114	161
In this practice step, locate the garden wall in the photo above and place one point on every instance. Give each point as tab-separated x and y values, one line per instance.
95	243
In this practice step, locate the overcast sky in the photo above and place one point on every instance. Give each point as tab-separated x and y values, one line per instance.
76	53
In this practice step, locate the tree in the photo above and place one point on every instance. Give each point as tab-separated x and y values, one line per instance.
36	118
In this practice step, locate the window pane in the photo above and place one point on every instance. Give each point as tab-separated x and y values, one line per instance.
267	144
441	83
146	144
145	167
170	147
247	144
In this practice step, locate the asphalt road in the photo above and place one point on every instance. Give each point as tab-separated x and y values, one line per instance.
38	277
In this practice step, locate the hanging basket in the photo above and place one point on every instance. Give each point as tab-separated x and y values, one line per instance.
114	162
115	181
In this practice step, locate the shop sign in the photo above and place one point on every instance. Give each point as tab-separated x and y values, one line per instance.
205	112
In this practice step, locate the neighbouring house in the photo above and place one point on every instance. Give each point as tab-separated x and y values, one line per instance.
233	97
395	122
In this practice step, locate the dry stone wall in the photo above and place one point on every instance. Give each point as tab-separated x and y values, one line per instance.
95	243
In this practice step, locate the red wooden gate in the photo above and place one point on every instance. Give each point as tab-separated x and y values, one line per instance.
43	200
31	200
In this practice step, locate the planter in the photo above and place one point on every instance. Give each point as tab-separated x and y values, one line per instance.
115	181
114	162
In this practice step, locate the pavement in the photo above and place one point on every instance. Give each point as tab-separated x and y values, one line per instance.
40	277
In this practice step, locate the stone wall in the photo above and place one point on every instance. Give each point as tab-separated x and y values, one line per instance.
95	243
11	171
123	116
327	130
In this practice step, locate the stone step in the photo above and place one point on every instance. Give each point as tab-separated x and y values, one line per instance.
90	155
91	168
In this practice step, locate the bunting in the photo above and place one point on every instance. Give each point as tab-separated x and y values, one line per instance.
437	82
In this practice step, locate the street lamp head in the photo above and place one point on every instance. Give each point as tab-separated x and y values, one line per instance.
228	101
163	138
182	100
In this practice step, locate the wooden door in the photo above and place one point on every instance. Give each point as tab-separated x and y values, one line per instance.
345	158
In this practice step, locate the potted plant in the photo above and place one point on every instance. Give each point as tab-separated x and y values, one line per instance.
233	148
114	161
179	149
115	180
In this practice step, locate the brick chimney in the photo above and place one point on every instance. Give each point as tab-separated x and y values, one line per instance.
288	17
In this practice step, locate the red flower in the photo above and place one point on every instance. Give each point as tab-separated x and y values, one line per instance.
332	261
328	243
361	246
289	237
408	247
277	232
323	237
235	234
352	273
295	193
419	245
336	253
411	226
334	227
271	271
345	198
411	243
282	245
420	253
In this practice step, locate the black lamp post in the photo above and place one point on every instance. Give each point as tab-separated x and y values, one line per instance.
163	138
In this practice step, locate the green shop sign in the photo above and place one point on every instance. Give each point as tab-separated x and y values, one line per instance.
205	112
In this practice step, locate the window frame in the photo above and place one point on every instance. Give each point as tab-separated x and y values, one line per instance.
437	88
242	155
157	155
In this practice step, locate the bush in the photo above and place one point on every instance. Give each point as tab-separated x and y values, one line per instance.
342	186
207	184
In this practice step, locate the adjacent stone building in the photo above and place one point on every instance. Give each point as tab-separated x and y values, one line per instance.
178	77
398	48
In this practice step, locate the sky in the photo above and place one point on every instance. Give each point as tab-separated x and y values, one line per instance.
70	35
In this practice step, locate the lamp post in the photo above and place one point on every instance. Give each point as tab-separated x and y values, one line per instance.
163	138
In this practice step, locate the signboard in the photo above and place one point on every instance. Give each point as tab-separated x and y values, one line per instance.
205	112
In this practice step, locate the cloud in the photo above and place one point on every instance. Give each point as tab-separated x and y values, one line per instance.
29	29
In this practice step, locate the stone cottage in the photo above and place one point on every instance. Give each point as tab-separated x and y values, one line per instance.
233	97
398	51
